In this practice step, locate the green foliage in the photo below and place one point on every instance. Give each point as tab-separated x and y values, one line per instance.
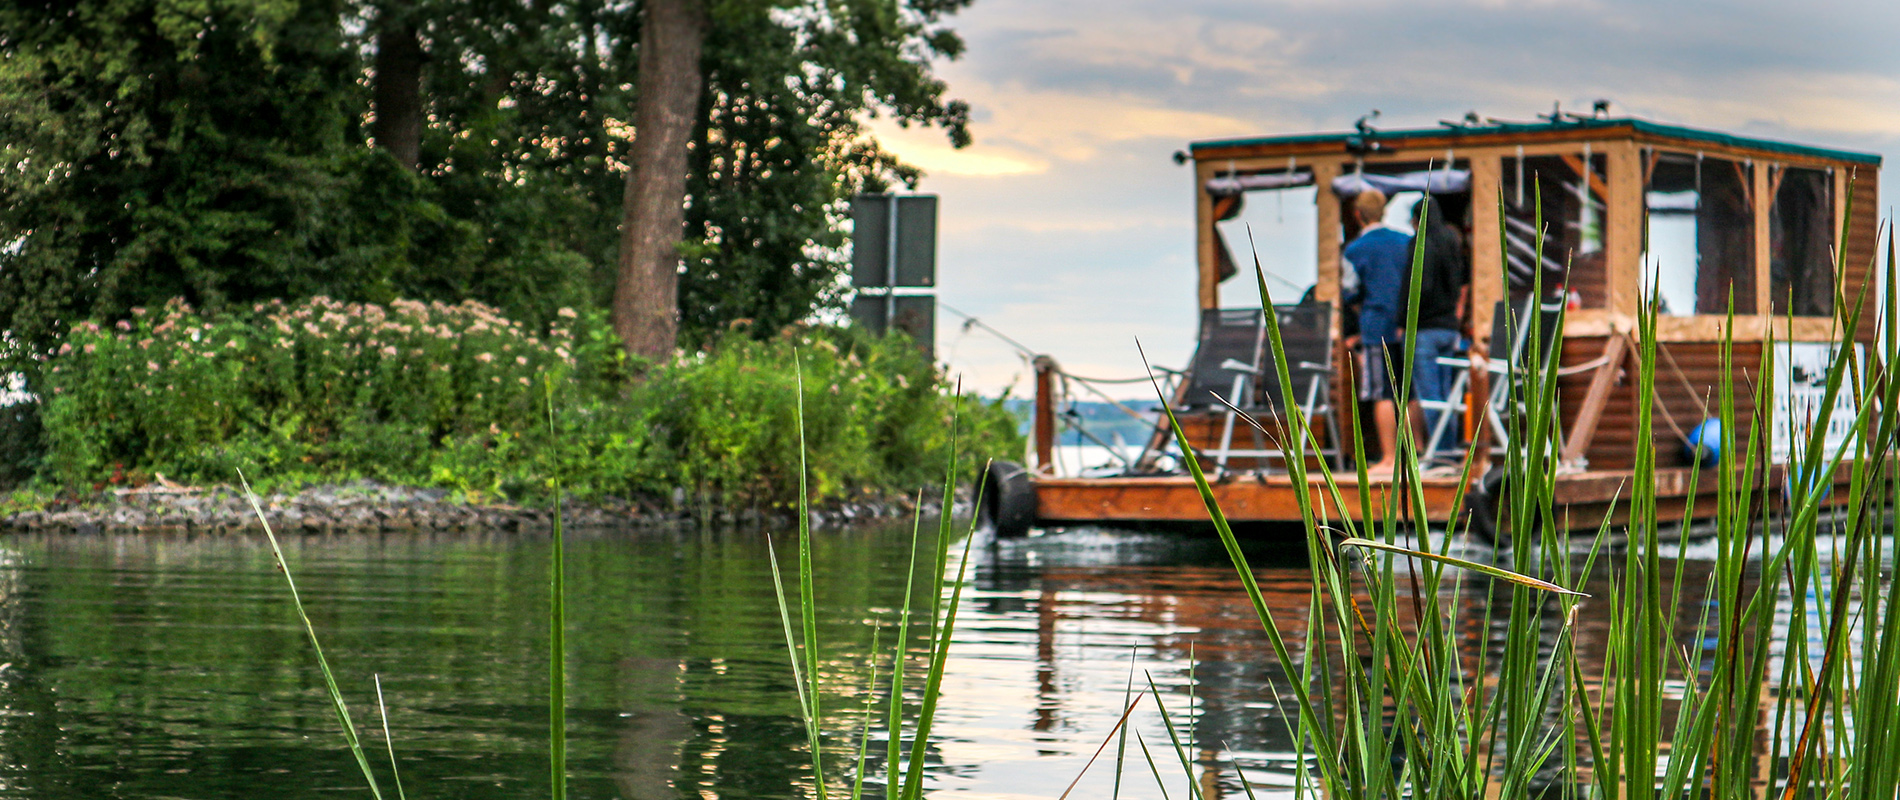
315	388
218	151
447	395
783	147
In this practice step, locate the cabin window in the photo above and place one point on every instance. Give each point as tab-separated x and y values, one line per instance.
1281	222
1569	190
1800	241
1699	234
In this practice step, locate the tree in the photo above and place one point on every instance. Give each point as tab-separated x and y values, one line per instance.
783	147
646	295
221	150
397	100
171	148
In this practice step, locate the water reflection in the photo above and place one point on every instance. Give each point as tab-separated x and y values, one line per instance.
172	666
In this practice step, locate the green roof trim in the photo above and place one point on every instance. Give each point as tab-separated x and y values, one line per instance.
1641	126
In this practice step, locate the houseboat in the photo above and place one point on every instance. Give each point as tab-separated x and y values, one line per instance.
1709	218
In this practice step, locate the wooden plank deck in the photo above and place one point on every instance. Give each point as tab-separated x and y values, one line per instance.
1582	498
1243	497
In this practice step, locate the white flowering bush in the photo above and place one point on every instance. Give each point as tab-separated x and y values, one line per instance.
454	396
295	388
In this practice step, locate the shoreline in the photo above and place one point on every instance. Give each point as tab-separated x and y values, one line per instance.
367	506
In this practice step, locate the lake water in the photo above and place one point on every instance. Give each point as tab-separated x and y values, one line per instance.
173	666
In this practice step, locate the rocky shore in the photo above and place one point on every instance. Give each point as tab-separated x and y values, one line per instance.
366	506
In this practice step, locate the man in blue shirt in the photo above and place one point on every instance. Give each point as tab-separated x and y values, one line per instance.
1382	259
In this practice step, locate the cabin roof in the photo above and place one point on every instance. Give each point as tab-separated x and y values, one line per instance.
1497	128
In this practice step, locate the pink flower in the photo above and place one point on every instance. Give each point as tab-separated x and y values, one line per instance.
522	360
90	348
389	351
65	348
145	344
485	357
565	312
124	325
152	366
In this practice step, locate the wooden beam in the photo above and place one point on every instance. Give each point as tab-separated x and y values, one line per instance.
1045	417
1623	228
1707	327
1487	248
1596	181
1488	282
1205	259
1266	156
1247	497
1761	204
1746	180
1462	142
1327	232
1584	427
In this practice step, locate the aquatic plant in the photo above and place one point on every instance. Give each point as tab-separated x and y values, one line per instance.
1747	714
904	779
904	776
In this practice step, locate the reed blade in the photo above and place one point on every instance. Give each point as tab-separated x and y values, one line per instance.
323	664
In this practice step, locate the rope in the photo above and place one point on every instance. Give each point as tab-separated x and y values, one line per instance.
1073	376
1687	387
1655	398
969	321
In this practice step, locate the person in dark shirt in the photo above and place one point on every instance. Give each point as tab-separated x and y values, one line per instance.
1444	281
1382	258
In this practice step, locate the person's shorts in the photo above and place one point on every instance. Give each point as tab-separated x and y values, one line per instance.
1375	377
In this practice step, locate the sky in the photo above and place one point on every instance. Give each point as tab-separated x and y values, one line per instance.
1068	227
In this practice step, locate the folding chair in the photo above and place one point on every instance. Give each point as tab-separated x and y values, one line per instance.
1505	363
1307	337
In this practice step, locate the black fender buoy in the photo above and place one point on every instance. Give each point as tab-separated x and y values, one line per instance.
1009	501
1482	503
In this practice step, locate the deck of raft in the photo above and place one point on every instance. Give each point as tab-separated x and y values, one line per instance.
1585	498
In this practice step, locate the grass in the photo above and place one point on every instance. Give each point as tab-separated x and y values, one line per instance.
1433	713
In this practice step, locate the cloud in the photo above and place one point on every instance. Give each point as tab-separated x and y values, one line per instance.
927	148
1066	222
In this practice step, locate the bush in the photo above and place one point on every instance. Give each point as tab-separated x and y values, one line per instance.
453	396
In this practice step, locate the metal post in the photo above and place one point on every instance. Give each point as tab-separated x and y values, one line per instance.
890	267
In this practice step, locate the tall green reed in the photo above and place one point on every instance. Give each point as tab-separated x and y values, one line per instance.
337	703
904	775
1436	714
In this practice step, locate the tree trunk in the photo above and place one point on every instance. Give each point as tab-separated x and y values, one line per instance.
397	98
653	216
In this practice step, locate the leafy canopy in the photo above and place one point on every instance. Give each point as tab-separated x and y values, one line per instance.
220	151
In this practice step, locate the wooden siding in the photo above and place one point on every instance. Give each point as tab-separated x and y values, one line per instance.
1861	251
1700	364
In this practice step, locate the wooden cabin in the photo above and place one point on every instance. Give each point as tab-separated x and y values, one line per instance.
1715	218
